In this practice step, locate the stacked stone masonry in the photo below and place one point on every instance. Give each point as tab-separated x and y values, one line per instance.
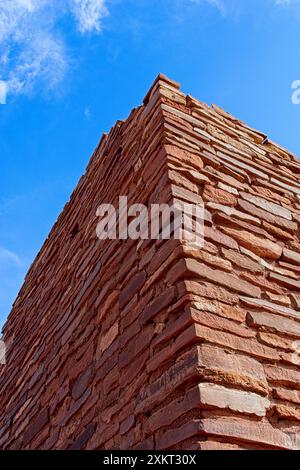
129	344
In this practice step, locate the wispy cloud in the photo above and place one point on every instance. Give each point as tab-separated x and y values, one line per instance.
12	272
219	4
88	113
224	5
286	2
33	46
32	43
8	257
89	14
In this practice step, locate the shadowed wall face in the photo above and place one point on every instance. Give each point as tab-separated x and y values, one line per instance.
154	344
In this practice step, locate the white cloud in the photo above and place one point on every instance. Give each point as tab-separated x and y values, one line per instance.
293	6
288	3
7	256
223	5
32	46
2	92
89	14
88	113
219	4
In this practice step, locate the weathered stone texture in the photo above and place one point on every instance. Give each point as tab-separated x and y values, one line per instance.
152	344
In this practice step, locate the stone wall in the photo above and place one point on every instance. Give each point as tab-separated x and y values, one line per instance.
153	344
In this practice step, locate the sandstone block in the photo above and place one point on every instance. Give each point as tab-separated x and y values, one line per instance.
274	323
223	279
268	206
291	256
212	194
234	400
260	246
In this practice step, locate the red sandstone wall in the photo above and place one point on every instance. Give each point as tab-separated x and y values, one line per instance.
153	344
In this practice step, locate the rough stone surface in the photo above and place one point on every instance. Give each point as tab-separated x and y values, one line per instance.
234	400
153	344
260	246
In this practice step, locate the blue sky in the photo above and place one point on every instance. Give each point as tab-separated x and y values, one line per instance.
71	68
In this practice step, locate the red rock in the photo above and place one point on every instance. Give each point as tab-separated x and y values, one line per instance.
104	307
286	412
242	261
219	196
262	282
208	395
174	328
184	156
147	444
271	339
216	307
136	346
296	299
270	307
233	428
267	191
81	383
277	232
235	370
157	305
179	180
231	212
287	395
279	299
225	178
283	376
211	320
235	343
109	337
166	415
36	426
227	188
207	258
212	445
259	246
289	267
132	287
127	424
74	408
149	344
209	291
284	224
274	323
221	278
216	396
233	313
246	431
226	221
171	437
219	238
182	370
186	195
237	165
83	439
268	206
291	256
285	281
190	336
